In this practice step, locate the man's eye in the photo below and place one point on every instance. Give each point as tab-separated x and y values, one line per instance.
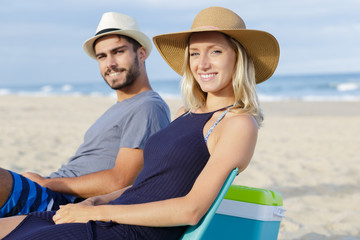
99	57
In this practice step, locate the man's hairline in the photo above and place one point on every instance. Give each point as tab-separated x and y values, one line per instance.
119	36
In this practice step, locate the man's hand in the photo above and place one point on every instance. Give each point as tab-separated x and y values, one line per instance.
88	202
35	178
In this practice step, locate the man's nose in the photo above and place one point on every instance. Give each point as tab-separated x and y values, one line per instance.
111	62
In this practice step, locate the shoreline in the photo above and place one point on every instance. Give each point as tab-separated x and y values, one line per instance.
307	151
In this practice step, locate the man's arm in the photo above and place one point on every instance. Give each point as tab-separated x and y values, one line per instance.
103	199
128	165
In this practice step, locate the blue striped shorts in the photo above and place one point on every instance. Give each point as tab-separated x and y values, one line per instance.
27	196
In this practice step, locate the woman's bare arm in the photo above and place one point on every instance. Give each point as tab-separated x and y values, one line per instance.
234	148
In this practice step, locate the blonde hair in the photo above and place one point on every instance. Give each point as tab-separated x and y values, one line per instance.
243	80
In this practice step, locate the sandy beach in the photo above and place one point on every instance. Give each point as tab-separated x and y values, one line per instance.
307	151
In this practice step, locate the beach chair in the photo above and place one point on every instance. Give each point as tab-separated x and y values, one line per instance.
197	231
254	212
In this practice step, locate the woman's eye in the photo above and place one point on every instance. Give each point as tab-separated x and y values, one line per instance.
193	54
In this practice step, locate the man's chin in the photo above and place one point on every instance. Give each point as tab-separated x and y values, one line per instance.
115	84
120	86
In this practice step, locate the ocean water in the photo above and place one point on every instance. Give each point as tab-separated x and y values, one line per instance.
326	87
329	87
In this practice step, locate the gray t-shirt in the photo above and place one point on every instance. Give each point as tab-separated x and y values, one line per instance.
127	124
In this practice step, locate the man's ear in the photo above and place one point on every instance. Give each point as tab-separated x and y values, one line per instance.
142	54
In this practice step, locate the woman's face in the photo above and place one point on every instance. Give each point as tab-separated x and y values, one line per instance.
212	62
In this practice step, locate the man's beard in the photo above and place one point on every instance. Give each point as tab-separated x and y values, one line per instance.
132	73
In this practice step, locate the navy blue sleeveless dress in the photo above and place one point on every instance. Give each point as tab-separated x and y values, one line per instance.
173	159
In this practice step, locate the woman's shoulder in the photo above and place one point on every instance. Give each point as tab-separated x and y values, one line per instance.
180	112
235	121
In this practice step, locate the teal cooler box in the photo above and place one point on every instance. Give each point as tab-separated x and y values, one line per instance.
247	213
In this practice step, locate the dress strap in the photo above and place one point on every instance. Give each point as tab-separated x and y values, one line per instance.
212	127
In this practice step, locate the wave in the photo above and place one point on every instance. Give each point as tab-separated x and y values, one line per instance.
4	91
309	98
349	86
345	87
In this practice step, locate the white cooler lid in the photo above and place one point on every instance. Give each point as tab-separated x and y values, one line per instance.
251	210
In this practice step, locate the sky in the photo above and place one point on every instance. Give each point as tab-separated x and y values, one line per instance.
41	41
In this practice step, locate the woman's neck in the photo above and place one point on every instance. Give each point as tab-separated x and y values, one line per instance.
215	103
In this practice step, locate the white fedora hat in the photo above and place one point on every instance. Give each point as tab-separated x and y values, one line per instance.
116	23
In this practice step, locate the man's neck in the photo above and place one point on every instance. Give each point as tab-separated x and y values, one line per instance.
140	85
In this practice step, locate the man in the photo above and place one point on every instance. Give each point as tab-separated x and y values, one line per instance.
111	156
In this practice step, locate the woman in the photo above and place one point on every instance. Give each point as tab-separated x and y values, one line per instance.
186	163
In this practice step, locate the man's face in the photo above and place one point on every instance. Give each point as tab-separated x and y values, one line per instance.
119	64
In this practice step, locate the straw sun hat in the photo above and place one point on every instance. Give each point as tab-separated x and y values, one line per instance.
261	46
116	23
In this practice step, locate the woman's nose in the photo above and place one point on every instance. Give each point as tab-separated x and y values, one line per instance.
204	62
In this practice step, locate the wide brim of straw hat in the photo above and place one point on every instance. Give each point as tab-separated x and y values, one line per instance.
262	47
